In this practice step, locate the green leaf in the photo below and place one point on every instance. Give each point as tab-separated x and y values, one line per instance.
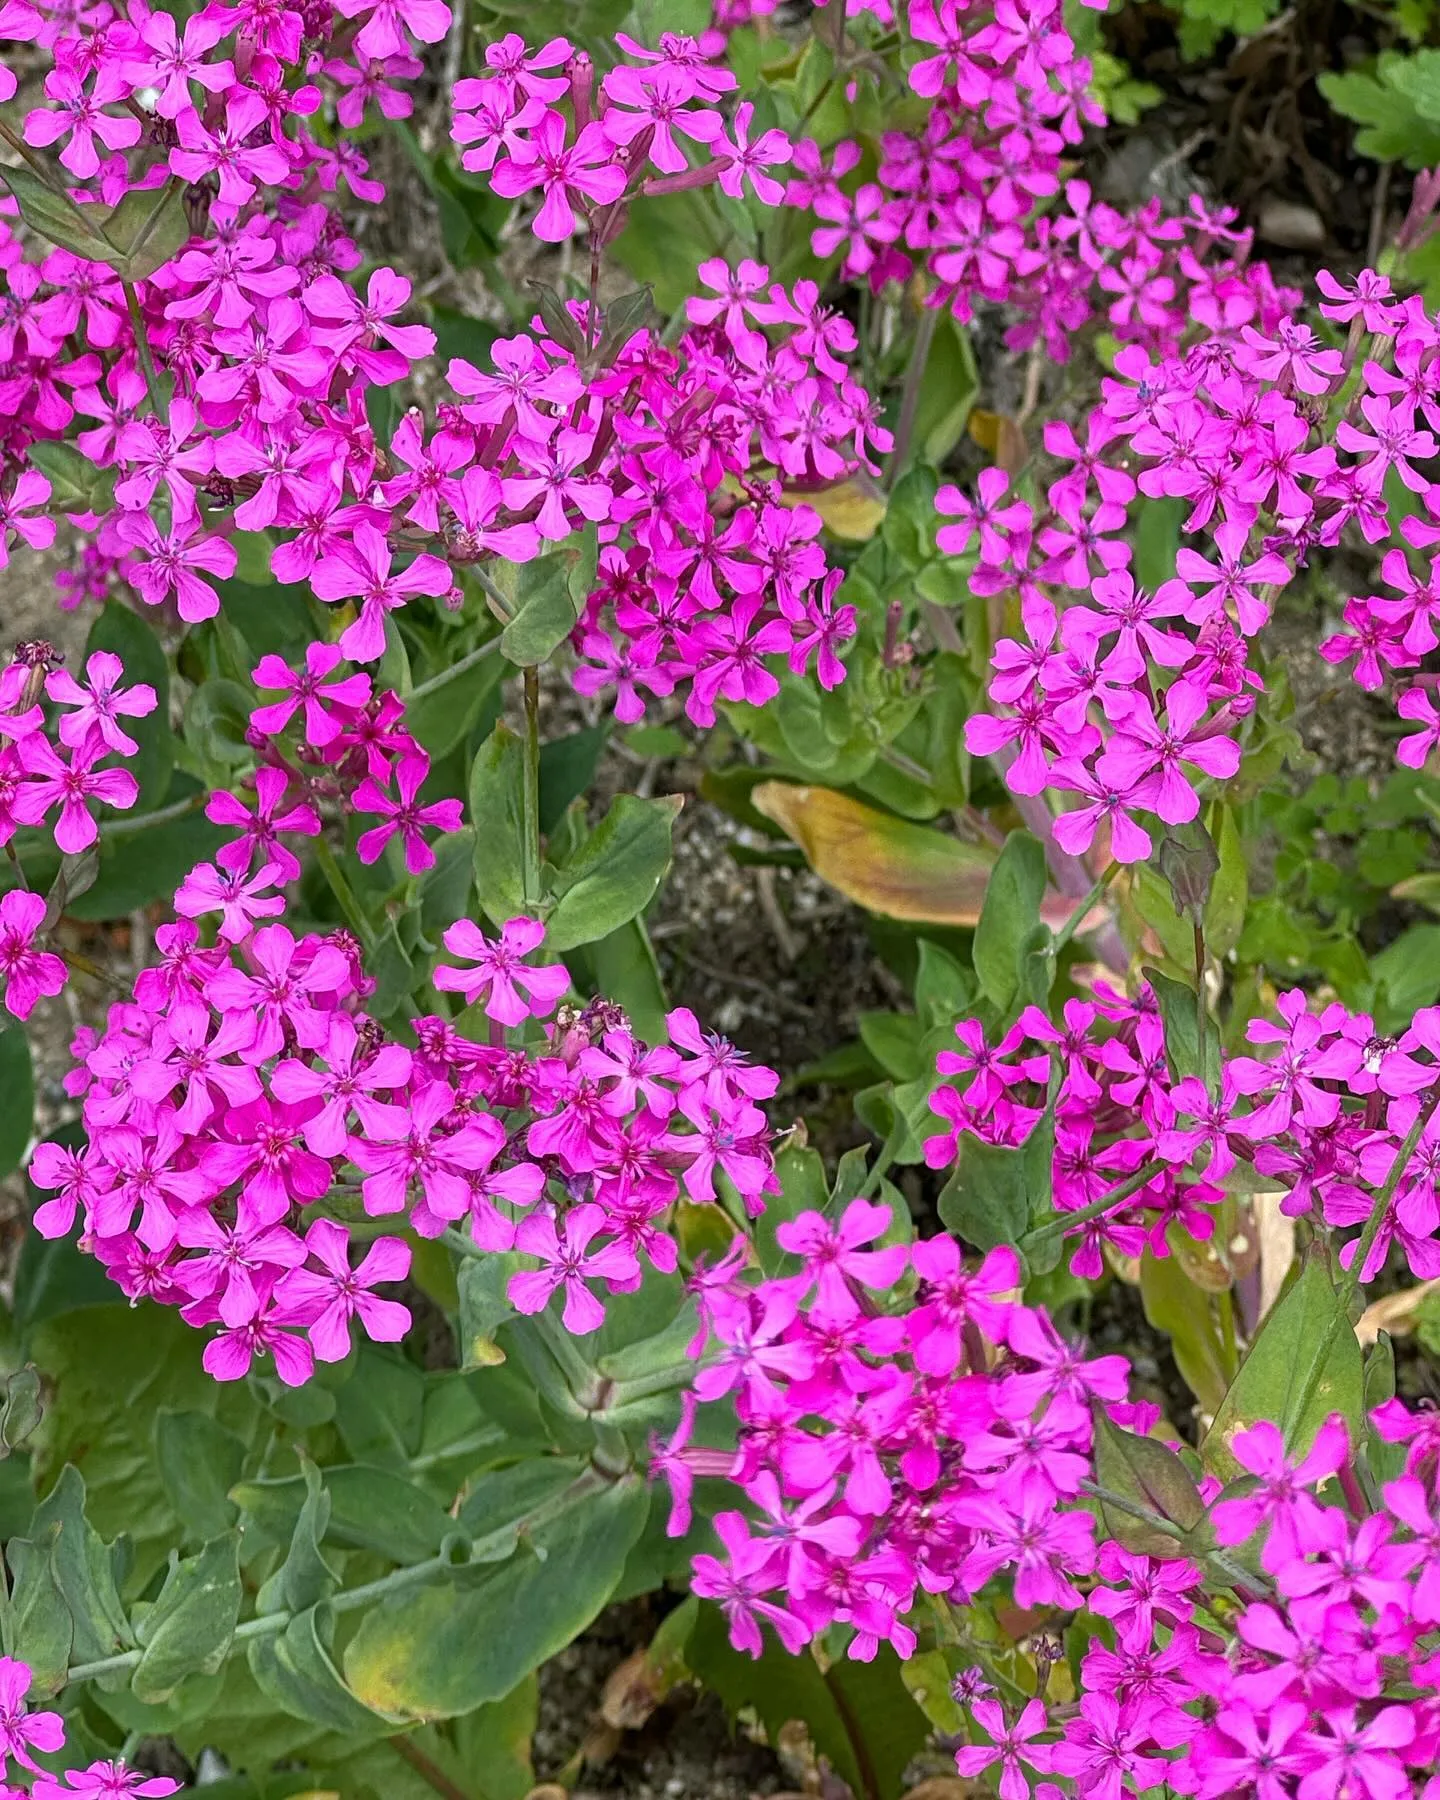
567	770
1180	1015
147	229
625	970
860	1716
501	1499
111	1368
994	1193
217	718
199	1463
545	597
370	1509
1175	1305
84	1570
304	1578
484	1307
614	874
1303	1366
944	990
1157	540
447	711
1189	861
76	483
496	812
38	1626
1230	892
1010	919
380	1410
294	1669
445	889
134	238
126	635
436	1652
17	1097
21	1413
54	215
192	1622
947	393
1142	1470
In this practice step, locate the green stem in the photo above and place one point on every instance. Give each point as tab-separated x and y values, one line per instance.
888	1152
1350	1285
659	1381
142	349
1066	1221
448	675
18	866
530	796
1200	999
130	823
1225	1301
1083	909
344	893
590	1480
581	1377
346	1601
910	398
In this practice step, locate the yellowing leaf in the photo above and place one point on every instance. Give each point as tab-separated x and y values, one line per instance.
851	509
889	865
1001	436
885	864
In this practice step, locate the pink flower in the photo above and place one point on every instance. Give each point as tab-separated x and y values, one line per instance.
588	167
569	1264
361	571
311	690
227	151
22	1731
1009	1743
404	815
29	973
325	1300
99	703
748	159
71	785
501	978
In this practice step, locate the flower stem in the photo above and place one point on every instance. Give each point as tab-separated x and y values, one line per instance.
1083	910
530	796
446	676
1066	1221
1350	1285
344	893
142	349
910	398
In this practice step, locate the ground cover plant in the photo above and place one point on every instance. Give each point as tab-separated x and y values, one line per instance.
406	1278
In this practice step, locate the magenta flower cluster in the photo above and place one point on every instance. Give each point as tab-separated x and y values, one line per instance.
1321	1112
1130	701
680	455
243	1096
57	778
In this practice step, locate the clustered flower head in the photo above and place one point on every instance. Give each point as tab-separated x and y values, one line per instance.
886	1448
243	1112
979	198
907	1427
1322	1112
1124	701
682	456
57	762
